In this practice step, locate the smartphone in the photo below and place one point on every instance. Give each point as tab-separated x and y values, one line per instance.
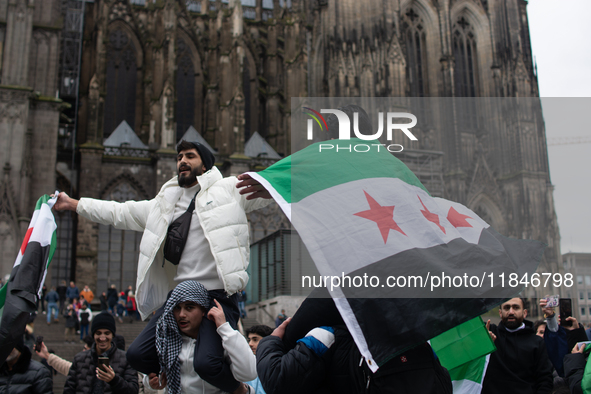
552	301
566	311
103	361
38	343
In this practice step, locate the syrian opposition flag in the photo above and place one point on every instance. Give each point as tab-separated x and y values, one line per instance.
465	351
19	295
401	266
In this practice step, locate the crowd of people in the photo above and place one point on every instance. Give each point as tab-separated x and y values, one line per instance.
548	356
75	307
191	277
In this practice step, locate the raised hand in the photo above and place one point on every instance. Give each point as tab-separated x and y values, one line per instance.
65	203
251	187
216	314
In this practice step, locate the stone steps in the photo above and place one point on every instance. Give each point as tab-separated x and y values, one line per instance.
249	322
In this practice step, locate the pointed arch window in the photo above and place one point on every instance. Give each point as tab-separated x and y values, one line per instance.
415	42
247	101
464	48
465	73
185	89
121	82
118	250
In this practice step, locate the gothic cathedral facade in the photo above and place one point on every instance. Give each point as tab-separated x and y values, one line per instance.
94	95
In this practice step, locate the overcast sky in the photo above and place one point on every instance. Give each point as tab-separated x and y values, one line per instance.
560	35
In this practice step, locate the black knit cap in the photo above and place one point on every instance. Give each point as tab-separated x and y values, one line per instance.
207	157
103	321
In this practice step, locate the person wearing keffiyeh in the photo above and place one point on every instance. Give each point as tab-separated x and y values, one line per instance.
177	332
212	248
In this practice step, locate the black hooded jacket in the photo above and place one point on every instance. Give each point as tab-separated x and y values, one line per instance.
82	377
26	377
341	370
520	364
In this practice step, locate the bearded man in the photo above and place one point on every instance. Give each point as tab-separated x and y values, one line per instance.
194	229
520	364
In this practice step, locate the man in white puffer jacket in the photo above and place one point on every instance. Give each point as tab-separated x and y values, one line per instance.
216	252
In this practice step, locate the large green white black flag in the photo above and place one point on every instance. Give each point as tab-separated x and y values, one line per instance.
19	295
401	265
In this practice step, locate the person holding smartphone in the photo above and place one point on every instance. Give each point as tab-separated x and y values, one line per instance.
103	367
563	331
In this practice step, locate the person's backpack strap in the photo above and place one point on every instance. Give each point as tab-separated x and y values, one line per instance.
177	234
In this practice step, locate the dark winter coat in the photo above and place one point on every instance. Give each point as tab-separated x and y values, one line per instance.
519	365
82	377
26	377
339	370
72	292
574	370
71	318
52	296
104	305
560	343
112	297
61	291
84	317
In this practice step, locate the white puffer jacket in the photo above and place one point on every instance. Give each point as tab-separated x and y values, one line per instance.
222	214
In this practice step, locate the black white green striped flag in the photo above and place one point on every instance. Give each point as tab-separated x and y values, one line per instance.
18	296
365	214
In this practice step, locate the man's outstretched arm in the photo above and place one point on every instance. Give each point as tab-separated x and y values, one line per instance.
129	215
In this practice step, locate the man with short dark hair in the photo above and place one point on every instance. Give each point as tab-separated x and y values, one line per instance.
254	335
520	364
194	229
72	292
19	374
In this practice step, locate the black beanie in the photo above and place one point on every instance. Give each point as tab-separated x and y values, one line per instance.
207	157
103	320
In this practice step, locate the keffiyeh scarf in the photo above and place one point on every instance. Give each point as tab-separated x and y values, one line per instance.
168	337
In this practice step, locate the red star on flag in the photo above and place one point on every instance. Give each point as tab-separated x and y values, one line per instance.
383	216
457	219
430	216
